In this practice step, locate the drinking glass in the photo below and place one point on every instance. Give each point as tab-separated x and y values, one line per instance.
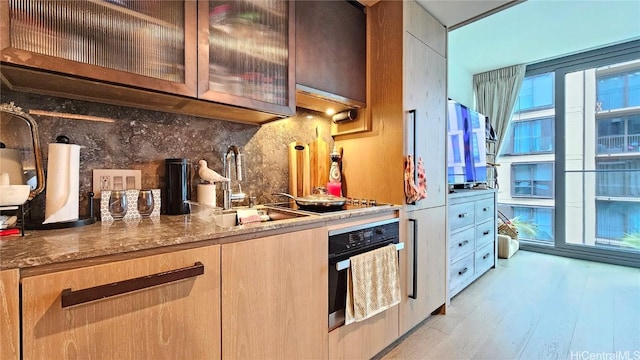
118	204
145	202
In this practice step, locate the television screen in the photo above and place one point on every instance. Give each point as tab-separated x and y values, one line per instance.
467	156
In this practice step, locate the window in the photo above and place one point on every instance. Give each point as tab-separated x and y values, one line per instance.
541	218
536	93
618	90
619	134
615	219
619	178
530	137
532	180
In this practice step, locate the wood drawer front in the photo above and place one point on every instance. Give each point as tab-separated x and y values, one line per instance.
153	323
484	258
485	233
460	273
461	243
485	209
461	215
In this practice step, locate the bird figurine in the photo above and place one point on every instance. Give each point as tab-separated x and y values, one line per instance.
207	174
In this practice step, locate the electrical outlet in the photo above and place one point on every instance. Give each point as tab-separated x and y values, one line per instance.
115	179
105	183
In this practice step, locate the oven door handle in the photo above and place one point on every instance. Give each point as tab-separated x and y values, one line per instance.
414	289
345	264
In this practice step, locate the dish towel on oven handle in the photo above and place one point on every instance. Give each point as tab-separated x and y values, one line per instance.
373	283
412	191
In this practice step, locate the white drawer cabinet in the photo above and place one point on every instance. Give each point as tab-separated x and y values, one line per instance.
472	236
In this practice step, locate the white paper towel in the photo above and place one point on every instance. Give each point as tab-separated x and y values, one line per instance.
63	184
206	194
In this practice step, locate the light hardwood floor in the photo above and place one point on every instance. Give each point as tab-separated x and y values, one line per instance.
535	306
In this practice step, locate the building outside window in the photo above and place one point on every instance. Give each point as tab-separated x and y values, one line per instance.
612	209
532	180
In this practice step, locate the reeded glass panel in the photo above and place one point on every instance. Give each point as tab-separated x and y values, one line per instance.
248	49
141	37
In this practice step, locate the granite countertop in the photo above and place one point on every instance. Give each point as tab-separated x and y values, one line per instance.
45	247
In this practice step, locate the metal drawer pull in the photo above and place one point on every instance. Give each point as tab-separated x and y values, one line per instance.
463	243
486	232
463	271
486	256
485	209
77	297
345	264
463	215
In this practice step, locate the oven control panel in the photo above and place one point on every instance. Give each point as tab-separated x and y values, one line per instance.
346	240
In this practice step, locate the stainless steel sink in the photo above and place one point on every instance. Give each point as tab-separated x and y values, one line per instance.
229	217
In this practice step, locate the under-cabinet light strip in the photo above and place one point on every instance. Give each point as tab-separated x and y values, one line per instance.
70	116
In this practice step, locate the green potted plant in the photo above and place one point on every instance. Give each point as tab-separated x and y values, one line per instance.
632	240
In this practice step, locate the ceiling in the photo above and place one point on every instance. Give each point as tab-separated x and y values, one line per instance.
453	13
533	31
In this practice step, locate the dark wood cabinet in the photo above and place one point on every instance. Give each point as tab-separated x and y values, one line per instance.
331	51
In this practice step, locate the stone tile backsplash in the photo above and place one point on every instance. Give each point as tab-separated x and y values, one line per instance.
142	139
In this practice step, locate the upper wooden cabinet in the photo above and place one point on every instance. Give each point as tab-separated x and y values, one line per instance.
331	54
148	44
220	59
243	54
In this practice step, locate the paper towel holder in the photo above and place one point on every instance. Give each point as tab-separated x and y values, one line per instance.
63	139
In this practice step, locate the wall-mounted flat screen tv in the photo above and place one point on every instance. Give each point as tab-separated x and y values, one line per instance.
467	152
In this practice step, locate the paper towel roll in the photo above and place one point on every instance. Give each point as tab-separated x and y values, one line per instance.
207	194
63	184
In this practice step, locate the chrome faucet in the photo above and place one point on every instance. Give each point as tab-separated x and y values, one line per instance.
229	196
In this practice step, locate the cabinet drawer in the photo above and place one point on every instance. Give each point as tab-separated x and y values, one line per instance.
460	273
461	215
180	306
461	243
484	209
485	233
484	258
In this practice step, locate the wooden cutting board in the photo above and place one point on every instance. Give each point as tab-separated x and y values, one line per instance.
319	162
299	175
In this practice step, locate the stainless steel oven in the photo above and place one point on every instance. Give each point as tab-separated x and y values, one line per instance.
345	243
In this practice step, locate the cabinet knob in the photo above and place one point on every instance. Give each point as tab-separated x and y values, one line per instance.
486	256
486	232
463	271
485	209
463	215
463	243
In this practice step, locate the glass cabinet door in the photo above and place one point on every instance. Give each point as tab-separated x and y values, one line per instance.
244	58
149	44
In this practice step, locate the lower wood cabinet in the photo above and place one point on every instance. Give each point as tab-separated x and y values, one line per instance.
178	318
423	266
275	297
10	314
364	339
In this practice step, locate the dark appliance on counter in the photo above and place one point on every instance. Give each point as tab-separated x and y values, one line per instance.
177	186
345	243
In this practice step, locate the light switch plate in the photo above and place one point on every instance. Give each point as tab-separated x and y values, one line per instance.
116	179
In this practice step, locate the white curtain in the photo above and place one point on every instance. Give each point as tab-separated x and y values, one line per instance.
496	92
